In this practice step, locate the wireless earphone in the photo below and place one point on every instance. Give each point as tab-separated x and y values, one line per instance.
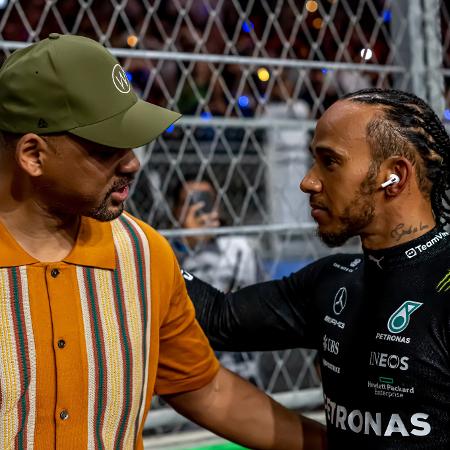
393	178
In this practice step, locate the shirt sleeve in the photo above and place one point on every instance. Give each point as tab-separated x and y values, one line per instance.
273	315
186	360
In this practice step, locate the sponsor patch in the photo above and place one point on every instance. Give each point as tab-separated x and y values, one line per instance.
386	387
376	423
353	266
399	320
333	321
392	338
414	251
330	345
444	284
389	361
340	301
330	366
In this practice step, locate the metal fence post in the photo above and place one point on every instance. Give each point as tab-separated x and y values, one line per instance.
411	49
434	77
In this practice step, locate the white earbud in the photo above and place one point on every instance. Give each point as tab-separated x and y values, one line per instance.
393	178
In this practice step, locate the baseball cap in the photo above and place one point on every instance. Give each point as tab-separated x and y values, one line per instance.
72	83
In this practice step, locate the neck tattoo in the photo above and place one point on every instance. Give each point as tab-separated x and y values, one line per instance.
402	230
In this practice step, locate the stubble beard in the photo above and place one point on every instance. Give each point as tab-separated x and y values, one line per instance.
103	213
357	215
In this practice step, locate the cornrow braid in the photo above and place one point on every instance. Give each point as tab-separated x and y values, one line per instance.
412	121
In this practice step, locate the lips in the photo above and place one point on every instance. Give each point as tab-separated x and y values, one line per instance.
318	211
121	194
315	205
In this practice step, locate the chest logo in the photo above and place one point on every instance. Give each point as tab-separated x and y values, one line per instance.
340	300
377	261
444	284
400	318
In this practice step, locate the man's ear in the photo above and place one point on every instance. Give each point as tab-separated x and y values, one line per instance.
30	150
398	169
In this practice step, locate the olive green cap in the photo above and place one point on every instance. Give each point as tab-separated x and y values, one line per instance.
72	83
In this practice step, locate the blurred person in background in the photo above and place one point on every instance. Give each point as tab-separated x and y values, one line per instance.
379	320
226	262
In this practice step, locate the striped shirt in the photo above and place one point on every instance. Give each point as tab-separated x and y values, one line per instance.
85	342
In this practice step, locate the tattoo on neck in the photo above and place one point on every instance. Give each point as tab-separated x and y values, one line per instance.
403	230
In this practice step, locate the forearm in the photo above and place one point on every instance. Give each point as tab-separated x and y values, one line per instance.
314	434
265	316
235	409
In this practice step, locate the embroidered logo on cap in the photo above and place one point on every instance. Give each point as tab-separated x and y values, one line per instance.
120	79
42	123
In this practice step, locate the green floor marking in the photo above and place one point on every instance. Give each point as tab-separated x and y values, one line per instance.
218	447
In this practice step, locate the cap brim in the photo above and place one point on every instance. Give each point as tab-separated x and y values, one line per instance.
136	126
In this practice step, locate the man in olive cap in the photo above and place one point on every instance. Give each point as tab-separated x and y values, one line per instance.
94	314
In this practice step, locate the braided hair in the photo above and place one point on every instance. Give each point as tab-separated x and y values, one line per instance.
407	126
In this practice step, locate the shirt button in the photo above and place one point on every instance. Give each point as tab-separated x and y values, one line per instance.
61	343
64	414
54	273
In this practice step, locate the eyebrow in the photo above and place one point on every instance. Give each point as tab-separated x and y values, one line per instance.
323	149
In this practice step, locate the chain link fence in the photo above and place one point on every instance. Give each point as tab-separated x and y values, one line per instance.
250	77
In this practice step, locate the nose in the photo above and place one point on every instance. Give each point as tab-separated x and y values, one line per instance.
129	164
310	183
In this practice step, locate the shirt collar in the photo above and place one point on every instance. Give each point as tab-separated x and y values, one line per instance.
94	247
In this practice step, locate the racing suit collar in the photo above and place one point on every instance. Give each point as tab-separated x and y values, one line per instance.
421	249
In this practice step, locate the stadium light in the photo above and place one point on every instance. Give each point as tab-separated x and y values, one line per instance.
311	6
243	101
366	53
263	74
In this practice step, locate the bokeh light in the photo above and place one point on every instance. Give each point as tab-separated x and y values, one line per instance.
247	26
447	114
205	115
170	129
132	40
243	101
311	6
263	74
317	23
366	53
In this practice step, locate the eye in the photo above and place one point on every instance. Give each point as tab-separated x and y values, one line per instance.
105	155
328	161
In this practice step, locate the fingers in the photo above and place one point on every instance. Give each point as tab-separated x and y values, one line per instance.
196	207
195	218
209	220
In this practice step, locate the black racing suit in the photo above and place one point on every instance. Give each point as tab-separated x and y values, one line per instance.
381	324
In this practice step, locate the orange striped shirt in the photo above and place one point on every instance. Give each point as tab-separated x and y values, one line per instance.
85	342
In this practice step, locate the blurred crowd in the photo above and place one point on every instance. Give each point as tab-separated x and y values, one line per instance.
309	30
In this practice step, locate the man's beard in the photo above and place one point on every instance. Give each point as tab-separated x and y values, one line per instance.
356	216
103	213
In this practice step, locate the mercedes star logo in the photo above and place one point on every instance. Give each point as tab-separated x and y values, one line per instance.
340	300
